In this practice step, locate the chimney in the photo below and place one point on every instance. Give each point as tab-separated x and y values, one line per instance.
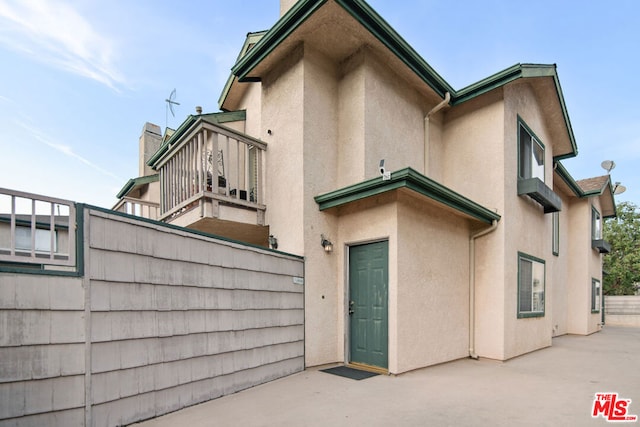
285	5
198	109
150	141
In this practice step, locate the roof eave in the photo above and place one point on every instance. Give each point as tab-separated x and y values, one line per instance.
513	73
360	11
407	178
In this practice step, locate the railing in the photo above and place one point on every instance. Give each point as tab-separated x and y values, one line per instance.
212	162
138	207
37	229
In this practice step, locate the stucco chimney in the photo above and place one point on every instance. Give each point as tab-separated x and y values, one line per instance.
285	5
149	143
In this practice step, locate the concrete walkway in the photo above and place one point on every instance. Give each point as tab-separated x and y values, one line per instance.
550	387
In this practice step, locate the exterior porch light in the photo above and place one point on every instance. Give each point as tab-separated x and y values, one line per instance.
326	244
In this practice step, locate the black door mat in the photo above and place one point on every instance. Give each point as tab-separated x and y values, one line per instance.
345	371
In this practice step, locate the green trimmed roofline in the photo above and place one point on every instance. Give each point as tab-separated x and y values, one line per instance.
579	192
364	14
134	182
379	28
410	179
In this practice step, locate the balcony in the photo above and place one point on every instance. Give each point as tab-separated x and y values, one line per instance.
37	231
211	180
138	207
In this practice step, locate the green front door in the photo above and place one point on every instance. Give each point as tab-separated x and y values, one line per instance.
368	304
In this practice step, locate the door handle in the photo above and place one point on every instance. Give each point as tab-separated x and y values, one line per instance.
351	309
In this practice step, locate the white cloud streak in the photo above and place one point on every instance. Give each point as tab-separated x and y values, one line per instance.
55	33
65	149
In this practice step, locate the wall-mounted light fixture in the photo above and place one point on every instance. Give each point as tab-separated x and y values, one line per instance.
273	242
326	244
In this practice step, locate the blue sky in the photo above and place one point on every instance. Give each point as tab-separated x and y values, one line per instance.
79	78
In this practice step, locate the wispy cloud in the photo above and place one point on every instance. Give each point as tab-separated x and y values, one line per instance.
55	33
64	149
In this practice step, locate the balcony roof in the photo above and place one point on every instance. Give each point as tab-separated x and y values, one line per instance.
408	179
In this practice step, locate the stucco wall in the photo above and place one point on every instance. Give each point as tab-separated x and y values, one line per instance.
522	215
162	319
433	285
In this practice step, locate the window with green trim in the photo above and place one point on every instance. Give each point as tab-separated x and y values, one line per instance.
531	286
555	239
595	296
530	153
596	224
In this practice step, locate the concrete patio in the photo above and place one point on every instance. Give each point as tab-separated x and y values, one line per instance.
550	387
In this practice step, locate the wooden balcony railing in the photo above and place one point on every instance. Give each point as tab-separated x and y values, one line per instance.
211	163
37	229
143	208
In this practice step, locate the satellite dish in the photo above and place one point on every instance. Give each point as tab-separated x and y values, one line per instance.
608	165
619	189
170	103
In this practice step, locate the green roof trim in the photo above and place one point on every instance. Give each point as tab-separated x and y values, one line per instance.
211	118
515	72
286	25
379	28
579	192
407	178
134	182
360	11
250	41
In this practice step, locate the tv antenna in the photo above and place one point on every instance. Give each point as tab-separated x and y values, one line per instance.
170	103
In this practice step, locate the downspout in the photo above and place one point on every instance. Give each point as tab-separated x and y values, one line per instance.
472	287
440	106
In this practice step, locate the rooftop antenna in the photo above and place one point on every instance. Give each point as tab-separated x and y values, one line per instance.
608	165
170	103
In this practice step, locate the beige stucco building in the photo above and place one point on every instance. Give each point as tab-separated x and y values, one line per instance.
435	223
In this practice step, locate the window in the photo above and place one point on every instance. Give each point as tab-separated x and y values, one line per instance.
555	242
531	272
42	240
531	154
596	225
595	296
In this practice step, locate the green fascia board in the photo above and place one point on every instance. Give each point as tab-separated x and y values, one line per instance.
252	39
134	182
407	178
286	25
377	26
364	14
575	188
511	74
212	118
380	29
568	179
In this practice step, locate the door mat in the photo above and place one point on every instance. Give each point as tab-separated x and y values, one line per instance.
345	371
